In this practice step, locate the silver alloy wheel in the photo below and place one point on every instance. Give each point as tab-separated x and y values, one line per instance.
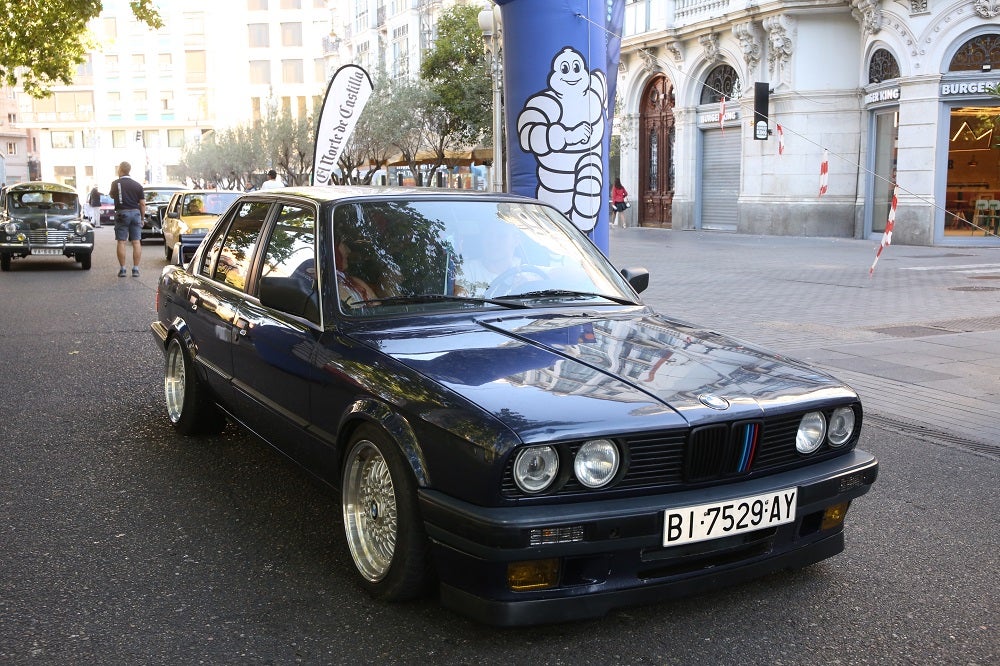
174	380
370	519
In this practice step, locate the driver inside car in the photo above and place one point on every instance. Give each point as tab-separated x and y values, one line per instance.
494	266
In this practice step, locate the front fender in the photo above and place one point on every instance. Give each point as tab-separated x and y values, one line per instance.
397	427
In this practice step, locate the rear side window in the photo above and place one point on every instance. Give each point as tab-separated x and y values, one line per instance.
228	260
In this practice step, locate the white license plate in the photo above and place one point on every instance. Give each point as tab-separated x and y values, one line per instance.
46	250
721	519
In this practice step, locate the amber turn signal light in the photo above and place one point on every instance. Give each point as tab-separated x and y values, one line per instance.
834	515
532	575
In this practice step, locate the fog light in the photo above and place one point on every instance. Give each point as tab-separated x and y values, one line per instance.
834	515
532	575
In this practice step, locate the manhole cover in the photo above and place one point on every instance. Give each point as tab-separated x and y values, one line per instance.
974	289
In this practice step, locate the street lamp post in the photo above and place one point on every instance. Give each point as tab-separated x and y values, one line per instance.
489	23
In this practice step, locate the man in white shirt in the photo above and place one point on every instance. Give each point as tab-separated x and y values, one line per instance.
272	181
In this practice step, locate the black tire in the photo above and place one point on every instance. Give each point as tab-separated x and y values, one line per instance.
382	525
4	262
189	405
85	260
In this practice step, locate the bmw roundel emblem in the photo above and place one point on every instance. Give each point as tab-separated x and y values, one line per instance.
713	401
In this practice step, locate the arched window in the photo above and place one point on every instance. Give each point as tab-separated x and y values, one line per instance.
976	54
882	67
721	81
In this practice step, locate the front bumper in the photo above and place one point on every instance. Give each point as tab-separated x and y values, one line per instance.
68	249
619	560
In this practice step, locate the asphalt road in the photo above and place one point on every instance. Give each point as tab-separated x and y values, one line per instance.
124	543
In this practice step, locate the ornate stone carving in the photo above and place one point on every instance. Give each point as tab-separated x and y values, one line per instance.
988	8
918	7
780	40
868	14
649	61
710	43
750	42
675	51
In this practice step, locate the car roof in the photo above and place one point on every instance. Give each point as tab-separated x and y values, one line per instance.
40	186
325	193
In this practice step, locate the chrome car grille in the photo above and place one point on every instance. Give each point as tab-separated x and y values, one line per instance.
48	237
690	458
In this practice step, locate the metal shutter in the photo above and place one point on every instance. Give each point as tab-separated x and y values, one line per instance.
720	179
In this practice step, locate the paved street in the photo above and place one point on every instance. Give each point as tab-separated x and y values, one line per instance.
919	339
122	542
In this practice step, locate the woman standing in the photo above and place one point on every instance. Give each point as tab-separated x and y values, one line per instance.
618	205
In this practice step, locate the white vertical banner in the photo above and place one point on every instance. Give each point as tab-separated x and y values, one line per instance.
346	97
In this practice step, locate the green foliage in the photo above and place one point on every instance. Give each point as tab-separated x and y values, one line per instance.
43	42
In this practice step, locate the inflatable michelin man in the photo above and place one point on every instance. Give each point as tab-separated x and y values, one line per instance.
563	127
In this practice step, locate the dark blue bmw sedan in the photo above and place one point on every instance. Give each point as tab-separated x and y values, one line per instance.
504	419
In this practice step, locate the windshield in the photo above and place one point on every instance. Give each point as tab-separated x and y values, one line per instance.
207	203
400	254
158	196
65	202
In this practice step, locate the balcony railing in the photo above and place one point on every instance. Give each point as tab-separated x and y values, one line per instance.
644	16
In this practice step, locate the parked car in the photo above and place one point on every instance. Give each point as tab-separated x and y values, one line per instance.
43	219
107	209
189	216
502	415
157	198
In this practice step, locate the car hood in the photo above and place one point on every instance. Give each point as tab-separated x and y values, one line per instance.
593	373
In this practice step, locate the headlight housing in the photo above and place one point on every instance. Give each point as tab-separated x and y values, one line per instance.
10	228
81	228
535	468
596	463
812	431
841	427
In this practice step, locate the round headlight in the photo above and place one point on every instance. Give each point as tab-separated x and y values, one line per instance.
596	463
812	429
81	228
10	228
535	468
841	426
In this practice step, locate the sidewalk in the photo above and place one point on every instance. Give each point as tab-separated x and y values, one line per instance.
919	340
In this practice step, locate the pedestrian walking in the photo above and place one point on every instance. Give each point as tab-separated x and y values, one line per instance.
272	181
619	203
130	209
94	206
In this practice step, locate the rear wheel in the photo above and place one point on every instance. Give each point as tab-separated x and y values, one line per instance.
189	405
4	262
383	528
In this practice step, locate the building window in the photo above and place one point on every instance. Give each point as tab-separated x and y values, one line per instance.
194	70
138	65
286	106
194	24
291	34
291	4
175	138
260	72
114	103
653	165
151	138
257	5
88	139
12	118
723	81
11	148
165	62
883	67
63	140
111	65
255	115
65	175
319	69
117	138
140	103
167	101
978	54
259	35
303	111
400	58
111	28
291	71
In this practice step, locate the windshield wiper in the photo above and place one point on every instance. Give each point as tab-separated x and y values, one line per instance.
567	293
431	298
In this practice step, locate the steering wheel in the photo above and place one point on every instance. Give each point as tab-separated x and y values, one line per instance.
505	282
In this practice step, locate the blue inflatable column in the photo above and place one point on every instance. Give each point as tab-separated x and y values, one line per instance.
560	64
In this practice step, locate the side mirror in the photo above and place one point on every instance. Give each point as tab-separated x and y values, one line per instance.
174	214
637	277
289	295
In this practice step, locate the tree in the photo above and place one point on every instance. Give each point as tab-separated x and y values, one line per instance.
43	42
458	106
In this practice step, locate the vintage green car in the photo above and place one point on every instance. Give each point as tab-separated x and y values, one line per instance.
43	219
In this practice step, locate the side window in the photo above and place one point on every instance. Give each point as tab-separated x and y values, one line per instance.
236	252
288	280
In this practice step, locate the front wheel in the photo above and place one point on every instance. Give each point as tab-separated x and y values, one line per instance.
84	259
4	262
384	532
189	406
